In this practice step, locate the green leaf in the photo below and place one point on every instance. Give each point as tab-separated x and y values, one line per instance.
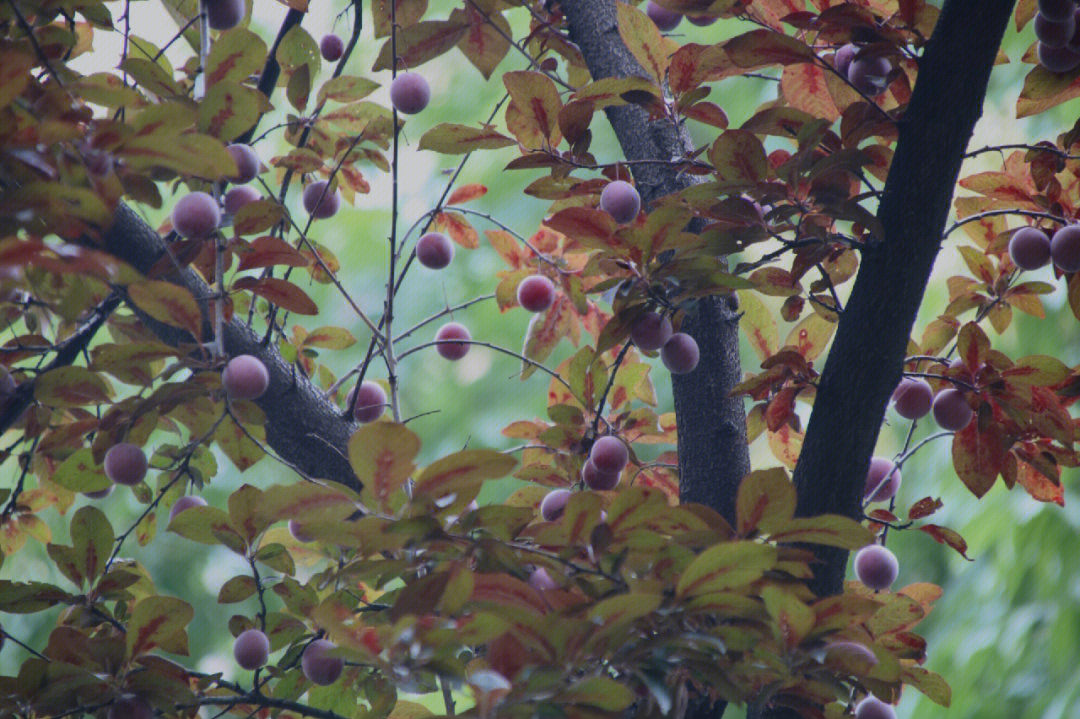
208	525
234	56
71	387
230	109
80	473
604	693
794	620
461	470
92	539
346	88
236	589
168	303
831	530
421	42
451	139
765	501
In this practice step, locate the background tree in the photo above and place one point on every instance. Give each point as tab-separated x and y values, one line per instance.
583	586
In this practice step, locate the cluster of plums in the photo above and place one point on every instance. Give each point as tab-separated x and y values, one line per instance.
678	351
869	74
1059	42
608	458
252	649
197	214
914	399
1031	249
668	20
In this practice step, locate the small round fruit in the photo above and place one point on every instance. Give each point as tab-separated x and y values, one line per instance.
844	56
870	74
298	533
130	706
370	404
434	250
609	454
536	293
251	649
452	350
319	668
1056	10
319	202
599	481
651	331
237	197
1058	60
620	200
882	480
554	504
410	93
852	653
7	386
1029	248
873	708
680	354
186	502
196	215
224	14
247	163
876	567
913	398
952	411
665	19
332	47
1065	248
125	464
101	493
245	377
702	21
541	581
1054	33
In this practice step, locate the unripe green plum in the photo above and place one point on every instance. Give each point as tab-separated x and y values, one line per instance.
882	480
609	454
130	706
620	200
651	331
319	202
596	480
554	504
680	353
224	14
410	93
876	567
536	293
332	47
319	668
196	215
186	502
666	20
237	197
452	350
913	398
245	377
370	404
1029	248
952	411
251	649
125	464
247	163
873	708
434	250
1065	248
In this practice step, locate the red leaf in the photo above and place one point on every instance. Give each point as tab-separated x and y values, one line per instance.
979	456
282	293
465	193
944	535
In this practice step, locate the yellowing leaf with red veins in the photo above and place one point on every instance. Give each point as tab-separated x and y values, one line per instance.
831	530
932	685
533	112
462	470
306	501
485	42
508	247
158	623
786	444
592	228
421	42
804	88
979	457
758	325
545	331
505	591
944	535
1002	186
664	479
758	48
1043	90
234	56
168	303
811	336
280	292
191	154
972	345
452	139
382	456
458	228
724	566
693	64
14	73
794	620
643	39
1040	487
765	501
466	193
611	90
739	156
268	251
71	387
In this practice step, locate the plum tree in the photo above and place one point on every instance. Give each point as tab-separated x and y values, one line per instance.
1056	10
554	504
609	455
452	350
913	398
1029	248
873	708
597	479
130	706
1053	33
237	197
536	293
882	480
247	163
869	74
245	377
317	666
952	411
410	93
332	47
224	14
651	331
434	250
876	567
680	354
621	200
665	19
370	401
126	464
1065	248
186	502
251	649
196	215
320	202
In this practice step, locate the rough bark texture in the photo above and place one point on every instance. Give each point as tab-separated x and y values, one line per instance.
302	425
713	454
